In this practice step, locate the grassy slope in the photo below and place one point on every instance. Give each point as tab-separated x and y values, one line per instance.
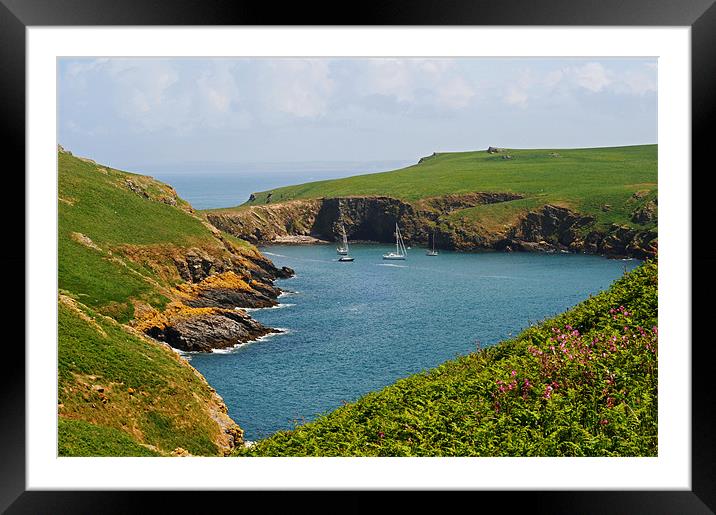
167	406
79	438
583	179
498	402
95	203
147	392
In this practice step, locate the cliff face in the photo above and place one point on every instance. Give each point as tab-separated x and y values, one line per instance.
548	228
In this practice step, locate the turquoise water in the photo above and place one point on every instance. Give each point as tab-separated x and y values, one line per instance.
355	327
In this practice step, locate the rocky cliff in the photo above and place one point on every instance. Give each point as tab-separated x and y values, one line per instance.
547	228
213	284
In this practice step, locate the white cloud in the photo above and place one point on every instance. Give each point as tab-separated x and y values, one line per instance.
300	88
638	81
592	76
455	93
516	96
565	84
415	83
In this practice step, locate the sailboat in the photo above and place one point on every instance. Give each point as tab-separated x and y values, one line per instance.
400	251
432	252
343	249
345	257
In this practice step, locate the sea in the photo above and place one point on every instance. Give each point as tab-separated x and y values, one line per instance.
349	328
228	186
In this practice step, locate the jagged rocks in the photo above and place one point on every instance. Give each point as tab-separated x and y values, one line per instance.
171	201
196	265
494	150
135	188
264	223
225	297
556	225
645	214
285	272
216	329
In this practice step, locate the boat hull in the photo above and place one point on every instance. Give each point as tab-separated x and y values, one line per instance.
396	258
344	259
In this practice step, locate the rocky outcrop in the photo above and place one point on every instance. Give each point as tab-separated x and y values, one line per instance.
213	284
267	222
450	203
549	228
212	329
646	213
555	228
555	225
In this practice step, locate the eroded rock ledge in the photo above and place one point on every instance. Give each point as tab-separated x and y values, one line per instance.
205	308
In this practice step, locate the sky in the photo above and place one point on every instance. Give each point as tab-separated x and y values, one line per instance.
151	114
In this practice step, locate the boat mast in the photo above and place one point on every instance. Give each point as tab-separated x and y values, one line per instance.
397	238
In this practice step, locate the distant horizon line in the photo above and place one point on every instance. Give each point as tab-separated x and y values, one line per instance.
230	166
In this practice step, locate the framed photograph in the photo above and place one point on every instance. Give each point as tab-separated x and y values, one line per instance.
480	221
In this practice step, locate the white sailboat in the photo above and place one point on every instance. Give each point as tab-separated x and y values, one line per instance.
345	257
432	252
343	249
400	251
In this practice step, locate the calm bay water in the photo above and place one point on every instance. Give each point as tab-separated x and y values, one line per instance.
356	327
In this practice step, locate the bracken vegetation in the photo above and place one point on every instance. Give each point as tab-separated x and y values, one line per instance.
581	384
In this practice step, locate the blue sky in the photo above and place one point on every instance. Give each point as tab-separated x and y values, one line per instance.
150	113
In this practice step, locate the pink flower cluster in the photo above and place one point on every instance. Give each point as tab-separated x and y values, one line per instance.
570	359
620	311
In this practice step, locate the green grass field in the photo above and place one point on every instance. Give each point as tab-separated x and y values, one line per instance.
581	384
582	179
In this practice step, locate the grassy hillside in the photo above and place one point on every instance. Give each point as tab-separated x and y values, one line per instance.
97	213
581	384
114	379
120	237
593	181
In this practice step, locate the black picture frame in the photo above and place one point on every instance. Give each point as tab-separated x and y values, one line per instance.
699	15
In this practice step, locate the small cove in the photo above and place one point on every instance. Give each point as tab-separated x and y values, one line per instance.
352	328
